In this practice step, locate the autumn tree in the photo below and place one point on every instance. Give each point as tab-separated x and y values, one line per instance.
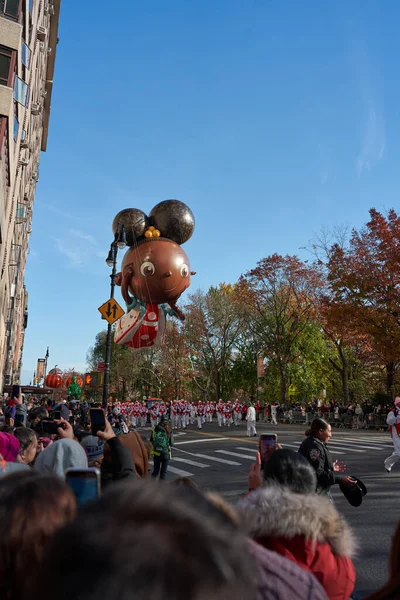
279	295
365	282
212	329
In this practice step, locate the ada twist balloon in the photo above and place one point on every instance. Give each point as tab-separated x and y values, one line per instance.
155	272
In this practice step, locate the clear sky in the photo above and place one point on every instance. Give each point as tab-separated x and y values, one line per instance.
269	118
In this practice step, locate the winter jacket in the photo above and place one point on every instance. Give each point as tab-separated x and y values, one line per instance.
307	529
282	579
319	457
119	464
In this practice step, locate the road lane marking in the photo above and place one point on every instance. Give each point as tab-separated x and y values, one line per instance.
236	454
190	462
200	441
219	460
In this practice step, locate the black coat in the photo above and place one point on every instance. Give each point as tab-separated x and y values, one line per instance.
119	466
320	459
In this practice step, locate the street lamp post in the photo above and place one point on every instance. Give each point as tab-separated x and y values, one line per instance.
111	260
45	366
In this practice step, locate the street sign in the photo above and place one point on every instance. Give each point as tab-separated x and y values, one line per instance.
111	311
101	366
292	390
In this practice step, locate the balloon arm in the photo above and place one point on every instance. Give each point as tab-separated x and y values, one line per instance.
133	304
176	312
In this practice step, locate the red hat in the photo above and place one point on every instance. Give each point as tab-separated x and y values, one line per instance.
9	447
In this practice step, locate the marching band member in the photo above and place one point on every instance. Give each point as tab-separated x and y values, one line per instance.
393	420
143	414
154	415
220	412
200	414
192	413
237	409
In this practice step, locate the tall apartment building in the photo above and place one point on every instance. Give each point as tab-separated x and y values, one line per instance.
28	41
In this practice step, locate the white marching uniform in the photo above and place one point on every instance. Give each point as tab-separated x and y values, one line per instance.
251	421
274	410
394	422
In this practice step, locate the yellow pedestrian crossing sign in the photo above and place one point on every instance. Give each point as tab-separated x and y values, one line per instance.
292	389
111	311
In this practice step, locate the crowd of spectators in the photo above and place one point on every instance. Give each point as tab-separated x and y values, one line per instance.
145	539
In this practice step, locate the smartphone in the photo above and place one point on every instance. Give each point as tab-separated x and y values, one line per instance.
85	483
97	420
19	418
57	415
50	427
15	391
267	443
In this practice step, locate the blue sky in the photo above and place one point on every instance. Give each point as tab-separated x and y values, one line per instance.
271	119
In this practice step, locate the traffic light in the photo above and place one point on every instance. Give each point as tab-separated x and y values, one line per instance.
94	379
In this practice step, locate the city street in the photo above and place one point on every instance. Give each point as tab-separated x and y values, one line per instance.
219	459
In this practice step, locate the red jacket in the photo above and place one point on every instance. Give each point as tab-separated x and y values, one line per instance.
307	529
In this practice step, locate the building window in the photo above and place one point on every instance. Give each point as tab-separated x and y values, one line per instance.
26	55
21	91
20	214
10	8
16	127
5	64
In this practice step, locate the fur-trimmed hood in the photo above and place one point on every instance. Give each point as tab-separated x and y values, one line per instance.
276	512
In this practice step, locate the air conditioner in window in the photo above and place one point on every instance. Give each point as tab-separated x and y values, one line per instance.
24	162
41	33
42	47
24	144
49	51
36	108
43	93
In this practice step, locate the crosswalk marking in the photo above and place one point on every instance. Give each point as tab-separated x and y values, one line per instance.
337	446
360	445
382	443
247	449
176	471
348	449
220	460
297	446
218	439
235	454
190	462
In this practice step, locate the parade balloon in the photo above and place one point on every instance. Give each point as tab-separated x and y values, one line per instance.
78	380
174	219
55	371
155	272
53	381
135	223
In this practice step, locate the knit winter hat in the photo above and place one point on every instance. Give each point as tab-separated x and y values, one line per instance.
9	447
94	448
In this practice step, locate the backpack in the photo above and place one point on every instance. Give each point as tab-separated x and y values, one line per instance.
160	442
